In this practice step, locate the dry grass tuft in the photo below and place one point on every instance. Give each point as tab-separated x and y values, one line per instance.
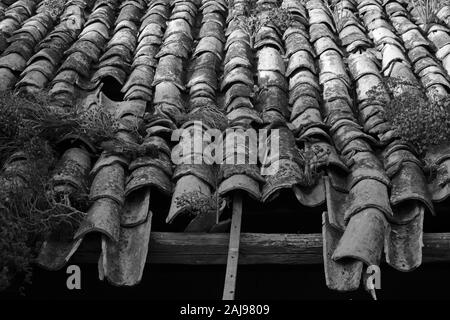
30	209
427	11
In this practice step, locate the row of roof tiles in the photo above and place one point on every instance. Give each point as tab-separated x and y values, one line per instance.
169	54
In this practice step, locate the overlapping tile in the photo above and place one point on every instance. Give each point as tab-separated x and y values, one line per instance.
74	74
196	173
42	66
367	203
439	35
107	187
151	31
114	65
13	17
170	76
237	87
307	120
22	44
403	195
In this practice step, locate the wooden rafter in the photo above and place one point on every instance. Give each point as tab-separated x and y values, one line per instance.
233	249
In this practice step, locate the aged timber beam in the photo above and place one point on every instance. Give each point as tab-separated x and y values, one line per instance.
233	249
255	248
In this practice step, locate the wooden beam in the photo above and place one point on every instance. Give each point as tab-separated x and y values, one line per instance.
255	248
233	249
